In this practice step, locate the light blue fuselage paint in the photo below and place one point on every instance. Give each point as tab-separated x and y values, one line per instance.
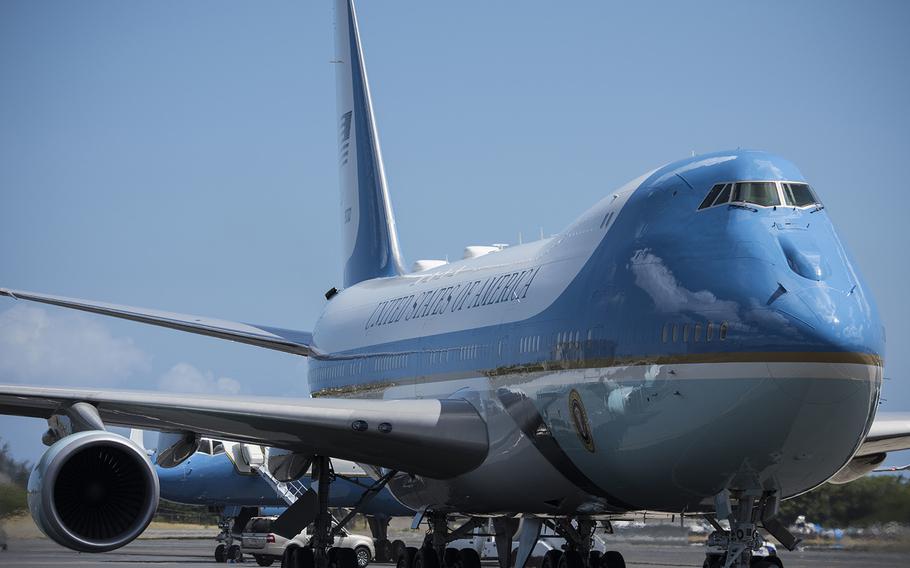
660	352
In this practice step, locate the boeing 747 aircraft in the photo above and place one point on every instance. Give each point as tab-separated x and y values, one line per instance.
697	342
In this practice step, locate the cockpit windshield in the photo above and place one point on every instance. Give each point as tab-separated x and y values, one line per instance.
798	194
760	193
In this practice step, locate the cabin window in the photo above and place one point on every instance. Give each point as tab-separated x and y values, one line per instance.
763	193
686	333
665	334
710	331
675	332
696	333
723	331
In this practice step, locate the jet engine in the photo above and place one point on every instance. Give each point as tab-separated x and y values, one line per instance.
93	491
858	467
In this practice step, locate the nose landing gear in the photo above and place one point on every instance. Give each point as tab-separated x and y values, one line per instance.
743	546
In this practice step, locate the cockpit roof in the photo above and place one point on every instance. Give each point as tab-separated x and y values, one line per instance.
734	165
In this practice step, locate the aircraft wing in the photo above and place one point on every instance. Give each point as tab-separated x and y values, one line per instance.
434	438
890	432
289	341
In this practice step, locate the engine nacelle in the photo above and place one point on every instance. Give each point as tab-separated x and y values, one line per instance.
93	491
857	467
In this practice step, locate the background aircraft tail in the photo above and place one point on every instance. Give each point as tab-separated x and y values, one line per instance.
370	241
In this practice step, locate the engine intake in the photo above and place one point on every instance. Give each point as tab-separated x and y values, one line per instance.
93	491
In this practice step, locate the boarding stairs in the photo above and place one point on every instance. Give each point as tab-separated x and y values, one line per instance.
289	491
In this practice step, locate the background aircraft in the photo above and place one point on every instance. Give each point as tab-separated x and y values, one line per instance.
301	343
239	490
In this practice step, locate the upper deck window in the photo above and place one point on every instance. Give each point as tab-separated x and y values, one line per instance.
763	193
799	194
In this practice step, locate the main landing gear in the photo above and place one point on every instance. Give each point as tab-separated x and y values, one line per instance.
578	552
434	553
379	528
319	552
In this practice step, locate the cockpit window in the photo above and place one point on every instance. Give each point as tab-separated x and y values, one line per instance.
762	193
724	195
799	194
711	196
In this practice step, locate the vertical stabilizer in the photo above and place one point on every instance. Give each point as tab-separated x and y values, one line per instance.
370	240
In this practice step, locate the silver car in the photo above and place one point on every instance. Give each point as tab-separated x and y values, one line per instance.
266	547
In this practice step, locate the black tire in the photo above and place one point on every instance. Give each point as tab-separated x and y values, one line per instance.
344	557
398	548
594	558
468	558
363	556
233	553
613	559
551	559
426	558
296	557
406	558
263	560
451	558
220	554
571	559
383	550
714	561
769	562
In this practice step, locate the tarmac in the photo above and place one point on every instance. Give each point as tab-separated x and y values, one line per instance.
177	552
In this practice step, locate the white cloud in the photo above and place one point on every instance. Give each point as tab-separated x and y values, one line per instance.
184	377
37	345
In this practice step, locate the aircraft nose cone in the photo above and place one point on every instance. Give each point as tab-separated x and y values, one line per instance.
841	321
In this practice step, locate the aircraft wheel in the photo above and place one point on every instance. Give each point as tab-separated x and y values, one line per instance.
233	553
426	558
714	561
551	559
594	559
363	556
383	550
263	560
398	548
468	558
220	555
406	558
612	559
571	559
450	558
343	558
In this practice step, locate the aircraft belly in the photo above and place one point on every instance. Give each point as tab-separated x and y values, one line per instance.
670	437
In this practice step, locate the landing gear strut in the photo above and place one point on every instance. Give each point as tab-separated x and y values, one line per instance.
319	552
379	528
736	548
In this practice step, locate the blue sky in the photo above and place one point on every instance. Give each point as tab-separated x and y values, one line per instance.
181	155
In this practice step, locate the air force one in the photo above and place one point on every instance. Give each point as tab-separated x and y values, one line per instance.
699	342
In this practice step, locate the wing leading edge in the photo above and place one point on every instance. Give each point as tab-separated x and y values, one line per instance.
890	432
289	341
435	438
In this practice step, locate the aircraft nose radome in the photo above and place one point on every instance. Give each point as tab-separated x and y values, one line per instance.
841	321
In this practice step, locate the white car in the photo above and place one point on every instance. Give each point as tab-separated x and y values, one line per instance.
266	547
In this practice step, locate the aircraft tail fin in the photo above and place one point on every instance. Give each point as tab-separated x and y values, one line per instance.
370	240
